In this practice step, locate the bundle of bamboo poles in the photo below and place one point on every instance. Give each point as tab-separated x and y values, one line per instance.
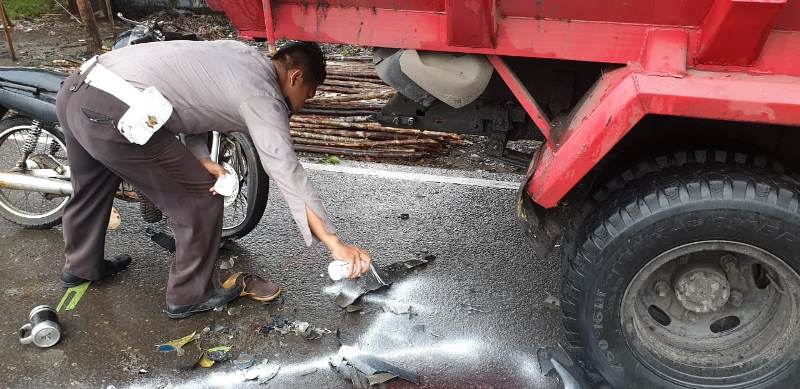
338	120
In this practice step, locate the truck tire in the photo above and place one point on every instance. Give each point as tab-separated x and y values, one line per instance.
687	276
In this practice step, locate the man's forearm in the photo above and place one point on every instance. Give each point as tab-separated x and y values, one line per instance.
317	226
196	143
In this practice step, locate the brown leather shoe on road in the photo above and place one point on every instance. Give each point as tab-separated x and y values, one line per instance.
255	287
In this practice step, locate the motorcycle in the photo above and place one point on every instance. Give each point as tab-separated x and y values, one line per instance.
34	171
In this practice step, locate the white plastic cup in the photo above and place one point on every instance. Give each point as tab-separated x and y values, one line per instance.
225	185
338	270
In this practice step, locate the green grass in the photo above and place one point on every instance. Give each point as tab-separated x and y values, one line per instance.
26	9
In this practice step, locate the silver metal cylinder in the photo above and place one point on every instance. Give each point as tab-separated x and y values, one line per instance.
42	329
215	143
35	184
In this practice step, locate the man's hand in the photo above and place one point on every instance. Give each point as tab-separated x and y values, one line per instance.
358	258
213	168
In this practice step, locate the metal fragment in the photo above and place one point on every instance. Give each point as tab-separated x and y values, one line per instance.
374	279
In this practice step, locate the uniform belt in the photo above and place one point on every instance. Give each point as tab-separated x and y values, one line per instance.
100	77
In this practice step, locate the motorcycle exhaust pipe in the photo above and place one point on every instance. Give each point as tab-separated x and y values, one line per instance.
35	184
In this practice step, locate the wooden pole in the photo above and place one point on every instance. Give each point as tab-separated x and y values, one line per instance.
386	153
110	14
93	42
7	31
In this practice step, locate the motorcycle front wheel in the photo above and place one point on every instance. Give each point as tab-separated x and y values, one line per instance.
242	214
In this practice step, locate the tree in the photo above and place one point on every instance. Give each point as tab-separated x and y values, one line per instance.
93	42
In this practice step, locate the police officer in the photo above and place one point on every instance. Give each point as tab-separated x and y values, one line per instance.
120	114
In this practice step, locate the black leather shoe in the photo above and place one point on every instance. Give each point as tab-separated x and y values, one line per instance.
218	299
110	267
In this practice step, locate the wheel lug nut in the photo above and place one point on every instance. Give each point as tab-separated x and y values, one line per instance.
737	298
729	263
661	288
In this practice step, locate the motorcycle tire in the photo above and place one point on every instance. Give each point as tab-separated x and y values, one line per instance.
256	192
10	209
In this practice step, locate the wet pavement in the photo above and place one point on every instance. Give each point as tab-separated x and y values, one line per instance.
478	310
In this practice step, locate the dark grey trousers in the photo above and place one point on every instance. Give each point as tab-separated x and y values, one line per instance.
163	169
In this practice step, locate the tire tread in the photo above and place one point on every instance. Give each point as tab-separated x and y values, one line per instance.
654	185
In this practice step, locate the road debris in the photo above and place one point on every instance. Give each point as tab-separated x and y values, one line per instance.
552	302
264	372
214	355
298	328
399	309
73	296
353	308
555	361
219	353
164	240
376	278
404	216
189	360
244	361
364	369
177	344
309	372
42	328
227	265
471	308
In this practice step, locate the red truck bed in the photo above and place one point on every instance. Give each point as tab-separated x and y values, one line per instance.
690	58
612	31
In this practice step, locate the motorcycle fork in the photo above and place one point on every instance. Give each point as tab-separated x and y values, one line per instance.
216	137
216	148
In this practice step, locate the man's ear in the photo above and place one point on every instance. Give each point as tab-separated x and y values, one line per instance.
295	76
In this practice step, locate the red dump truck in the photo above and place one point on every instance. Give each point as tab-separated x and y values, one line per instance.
667	182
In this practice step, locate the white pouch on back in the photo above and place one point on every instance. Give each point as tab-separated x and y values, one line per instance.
148	109
145	116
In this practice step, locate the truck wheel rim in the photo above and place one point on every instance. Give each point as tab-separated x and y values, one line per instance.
713	313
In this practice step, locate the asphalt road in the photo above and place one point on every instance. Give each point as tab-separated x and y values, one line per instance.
478	311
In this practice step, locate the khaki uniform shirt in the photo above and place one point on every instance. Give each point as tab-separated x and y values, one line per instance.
224	86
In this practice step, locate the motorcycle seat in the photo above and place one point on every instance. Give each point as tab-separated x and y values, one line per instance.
41	79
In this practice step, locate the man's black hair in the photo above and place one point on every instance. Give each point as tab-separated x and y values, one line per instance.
306	56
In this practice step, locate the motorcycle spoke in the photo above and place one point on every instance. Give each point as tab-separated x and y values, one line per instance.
21	203
14	202
16	142
45	143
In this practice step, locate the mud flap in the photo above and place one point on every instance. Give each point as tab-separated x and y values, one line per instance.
540	224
